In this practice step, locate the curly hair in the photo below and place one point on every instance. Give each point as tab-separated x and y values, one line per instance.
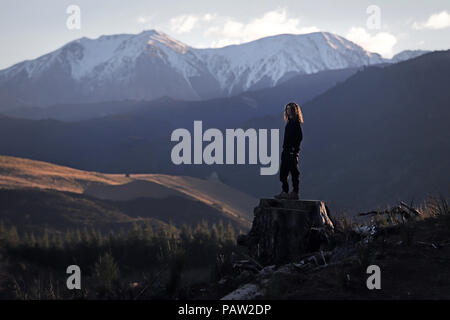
297	112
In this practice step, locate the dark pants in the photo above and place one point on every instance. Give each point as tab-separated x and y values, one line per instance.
289	165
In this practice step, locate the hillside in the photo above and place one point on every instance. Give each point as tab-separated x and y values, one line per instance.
378	137
383	135
301	88
24	173
169	198
36	210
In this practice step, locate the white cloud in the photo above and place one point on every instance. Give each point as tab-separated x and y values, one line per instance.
381	42
221	31
231	31
436	21
183	23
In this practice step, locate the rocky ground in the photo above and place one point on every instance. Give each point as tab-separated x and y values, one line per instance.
413	255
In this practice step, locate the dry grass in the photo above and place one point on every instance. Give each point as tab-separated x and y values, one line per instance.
232	202
24	173
18	173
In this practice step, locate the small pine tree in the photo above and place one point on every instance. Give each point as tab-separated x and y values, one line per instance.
204	227
107	275
221	231
68	238
215	234
13	237
77	237
33	240
202	233
148	231
136	233
45	240
185	235
230	235
121	236
100	239
25	240
86	236
58	241
93	235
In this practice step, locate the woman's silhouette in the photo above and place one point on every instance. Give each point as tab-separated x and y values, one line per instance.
291	147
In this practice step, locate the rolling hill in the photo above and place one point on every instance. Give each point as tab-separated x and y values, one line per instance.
58	190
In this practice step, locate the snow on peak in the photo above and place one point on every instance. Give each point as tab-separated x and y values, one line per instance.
151	63
273	57
408	54
107	53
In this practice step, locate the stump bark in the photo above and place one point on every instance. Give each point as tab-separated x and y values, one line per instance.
284	230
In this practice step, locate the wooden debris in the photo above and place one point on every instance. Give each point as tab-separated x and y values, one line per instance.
402	209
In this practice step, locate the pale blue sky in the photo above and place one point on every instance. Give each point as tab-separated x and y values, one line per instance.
30	28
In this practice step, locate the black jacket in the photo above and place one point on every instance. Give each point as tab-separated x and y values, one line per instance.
293	135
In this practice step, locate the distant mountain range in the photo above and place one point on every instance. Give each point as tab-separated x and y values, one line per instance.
408	54
150	65
301	88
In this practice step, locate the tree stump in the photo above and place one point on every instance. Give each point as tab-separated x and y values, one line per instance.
284	230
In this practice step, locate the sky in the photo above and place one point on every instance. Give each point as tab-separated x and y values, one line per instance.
31	28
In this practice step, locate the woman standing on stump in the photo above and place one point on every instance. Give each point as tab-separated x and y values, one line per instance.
291	147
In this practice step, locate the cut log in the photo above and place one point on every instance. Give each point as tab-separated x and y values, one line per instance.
284	230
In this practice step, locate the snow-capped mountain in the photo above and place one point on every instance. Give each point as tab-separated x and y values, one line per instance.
267	61
151	64
116	67
407	55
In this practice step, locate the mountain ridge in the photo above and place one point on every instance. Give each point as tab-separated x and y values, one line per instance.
151	64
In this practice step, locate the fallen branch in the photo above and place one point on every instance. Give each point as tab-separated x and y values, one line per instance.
402	209
415	211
